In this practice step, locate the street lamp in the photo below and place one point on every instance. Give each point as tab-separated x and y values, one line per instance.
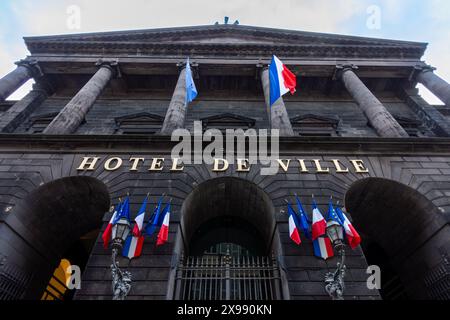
121	280
335	280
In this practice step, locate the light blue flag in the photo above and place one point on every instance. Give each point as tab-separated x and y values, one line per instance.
191	90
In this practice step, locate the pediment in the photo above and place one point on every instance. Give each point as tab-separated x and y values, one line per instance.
142	117
407	122
314	120
228	38
228	119
43	116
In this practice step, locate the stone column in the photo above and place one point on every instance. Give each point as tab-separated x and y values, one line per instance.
380	119
26	69
73	114
277	113
22	109
438	86
176	112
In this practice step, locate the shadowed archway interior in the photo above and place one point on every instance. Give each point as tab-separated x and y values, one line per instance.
395	221
232	204
230	244
57	220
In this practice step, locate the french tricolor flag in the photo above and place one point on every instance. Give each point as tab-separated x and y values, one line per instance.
163	234
322	248
353	237
133	247
139	220
108	231
319	225
281	80
293	226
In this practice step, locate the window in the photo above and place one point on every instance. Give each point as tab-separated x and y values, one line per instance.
411	126
140	123
40	122
227	121
311	125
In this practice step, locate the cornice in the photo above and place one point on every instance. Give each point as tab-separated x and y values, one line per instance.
249	50
176	41
29	143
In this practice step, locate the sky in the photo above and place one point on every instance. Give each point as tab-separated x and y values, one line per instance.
413	20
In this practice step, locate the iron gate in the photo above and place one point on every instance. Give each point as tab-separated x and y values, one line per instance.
228	278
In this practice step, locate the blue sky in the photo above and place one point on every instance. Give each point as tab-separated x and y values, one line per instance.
416	20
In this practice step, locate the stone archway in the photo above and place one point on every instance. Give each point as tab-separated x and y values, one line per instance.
403	232
237	215
46	225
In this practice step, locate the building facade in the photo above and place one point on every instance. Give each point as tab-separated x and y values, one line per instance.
98	123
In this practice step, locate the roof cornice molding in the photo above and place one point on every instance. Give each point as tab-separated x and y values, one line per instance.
249	50
300	43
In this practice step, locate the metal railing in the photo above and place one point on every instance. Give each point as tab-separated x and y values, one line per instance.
228	278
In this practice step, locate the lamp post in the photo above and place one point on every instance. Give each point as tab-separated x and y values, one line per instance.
334	281
121	280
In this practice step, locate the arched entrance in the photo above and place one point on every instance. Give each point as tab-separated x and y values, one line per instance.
228	243
402	232
59	220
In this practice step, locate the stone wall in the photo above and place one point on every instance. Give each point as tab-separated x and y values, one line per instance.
21	173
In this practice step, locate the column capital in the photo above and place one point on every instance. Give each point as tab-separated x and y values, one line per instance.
112	65
194	68
259	68
418	69
32	66
341	68
43	86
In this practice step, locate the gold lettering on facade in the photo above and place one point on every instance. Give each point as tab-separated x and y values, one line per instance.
88	163
303	168
135	162
284	166
319	168
243	165
157	164
359	166
222	165
218	162
175	163
108	166
338	166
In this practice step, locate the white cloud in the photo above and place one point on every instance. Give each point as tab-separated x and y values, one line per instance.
106	15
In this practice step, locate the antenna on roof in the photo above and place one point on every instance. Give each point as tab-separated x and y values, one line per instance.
226	20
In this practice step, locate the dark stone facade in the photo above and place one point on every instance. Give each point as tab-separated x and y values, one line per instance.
401	206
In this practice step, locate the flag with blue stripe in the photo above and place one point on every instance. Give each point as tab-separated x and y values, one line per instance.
191	90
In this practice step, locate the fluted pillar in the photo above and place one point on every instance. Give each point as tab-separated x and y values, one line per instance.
277	113
26	69
176	112
73	114
438	86
380	119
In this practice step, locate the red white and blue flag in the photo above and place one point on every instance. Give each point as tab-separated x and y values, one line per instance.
139	220
319	225
163	234
133	247
293	226
353	237
322	247
108	231
321	243
281	80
